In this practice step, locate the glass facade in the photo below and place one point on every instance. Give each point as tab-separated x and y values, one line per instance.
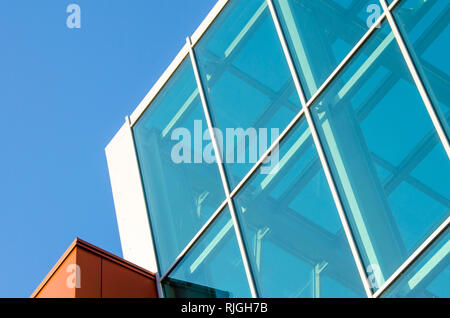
427	25
373	151
328	207
213	265
241	53
166	169
317	36
291	225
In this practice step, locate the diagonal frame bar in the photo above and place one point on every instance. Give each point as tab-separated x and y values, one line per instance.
416	77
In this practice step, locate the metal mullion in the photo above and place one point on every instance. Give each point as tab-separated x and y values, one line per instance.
237	229
316	139
414	256
159	288
416	77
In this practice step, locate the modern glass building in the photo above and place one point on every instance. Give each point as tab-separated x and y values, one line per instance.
295	148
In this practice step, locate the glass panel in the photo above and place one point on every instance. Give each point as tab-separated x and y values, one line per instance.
181	188
292	228
429	276
372	116
247	83
321	33
426	24
213	267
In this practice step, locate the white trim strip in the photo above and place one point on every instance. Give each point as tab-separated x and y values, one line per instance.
145	103
204	26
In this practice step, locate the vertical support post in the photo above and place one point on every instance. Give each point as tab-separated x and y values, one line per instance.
317	270
159	288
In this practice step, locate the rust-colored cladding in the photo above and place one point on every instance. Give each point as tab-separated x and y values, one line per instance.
86	271
56	285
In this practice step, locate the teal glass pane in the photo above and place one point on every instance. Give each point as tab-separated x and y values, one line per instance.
247	83
182	190
428	276
426	25
391	170
320	33
213	267
292	229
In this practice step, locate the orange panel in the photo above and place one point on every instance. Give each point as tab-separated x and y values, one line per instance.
61	283
121	282
90	274
86	271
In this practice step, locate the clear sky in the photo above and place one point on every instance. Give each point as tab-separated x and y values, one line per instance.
63	95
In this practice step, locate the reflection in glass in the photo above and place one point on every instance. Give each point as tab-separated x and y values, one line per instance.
392	172
181	196
175	288
213	267
320	33
427	30
247	82
428	276
292	229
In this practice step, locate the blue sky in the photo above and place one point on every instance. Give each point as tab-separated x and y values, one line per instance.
63	95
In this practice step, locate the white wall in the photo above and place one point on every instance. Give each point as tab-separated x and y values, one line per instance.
129	201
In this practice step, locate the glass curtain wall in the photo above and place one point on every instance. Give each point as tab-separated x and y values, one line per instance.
388	167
